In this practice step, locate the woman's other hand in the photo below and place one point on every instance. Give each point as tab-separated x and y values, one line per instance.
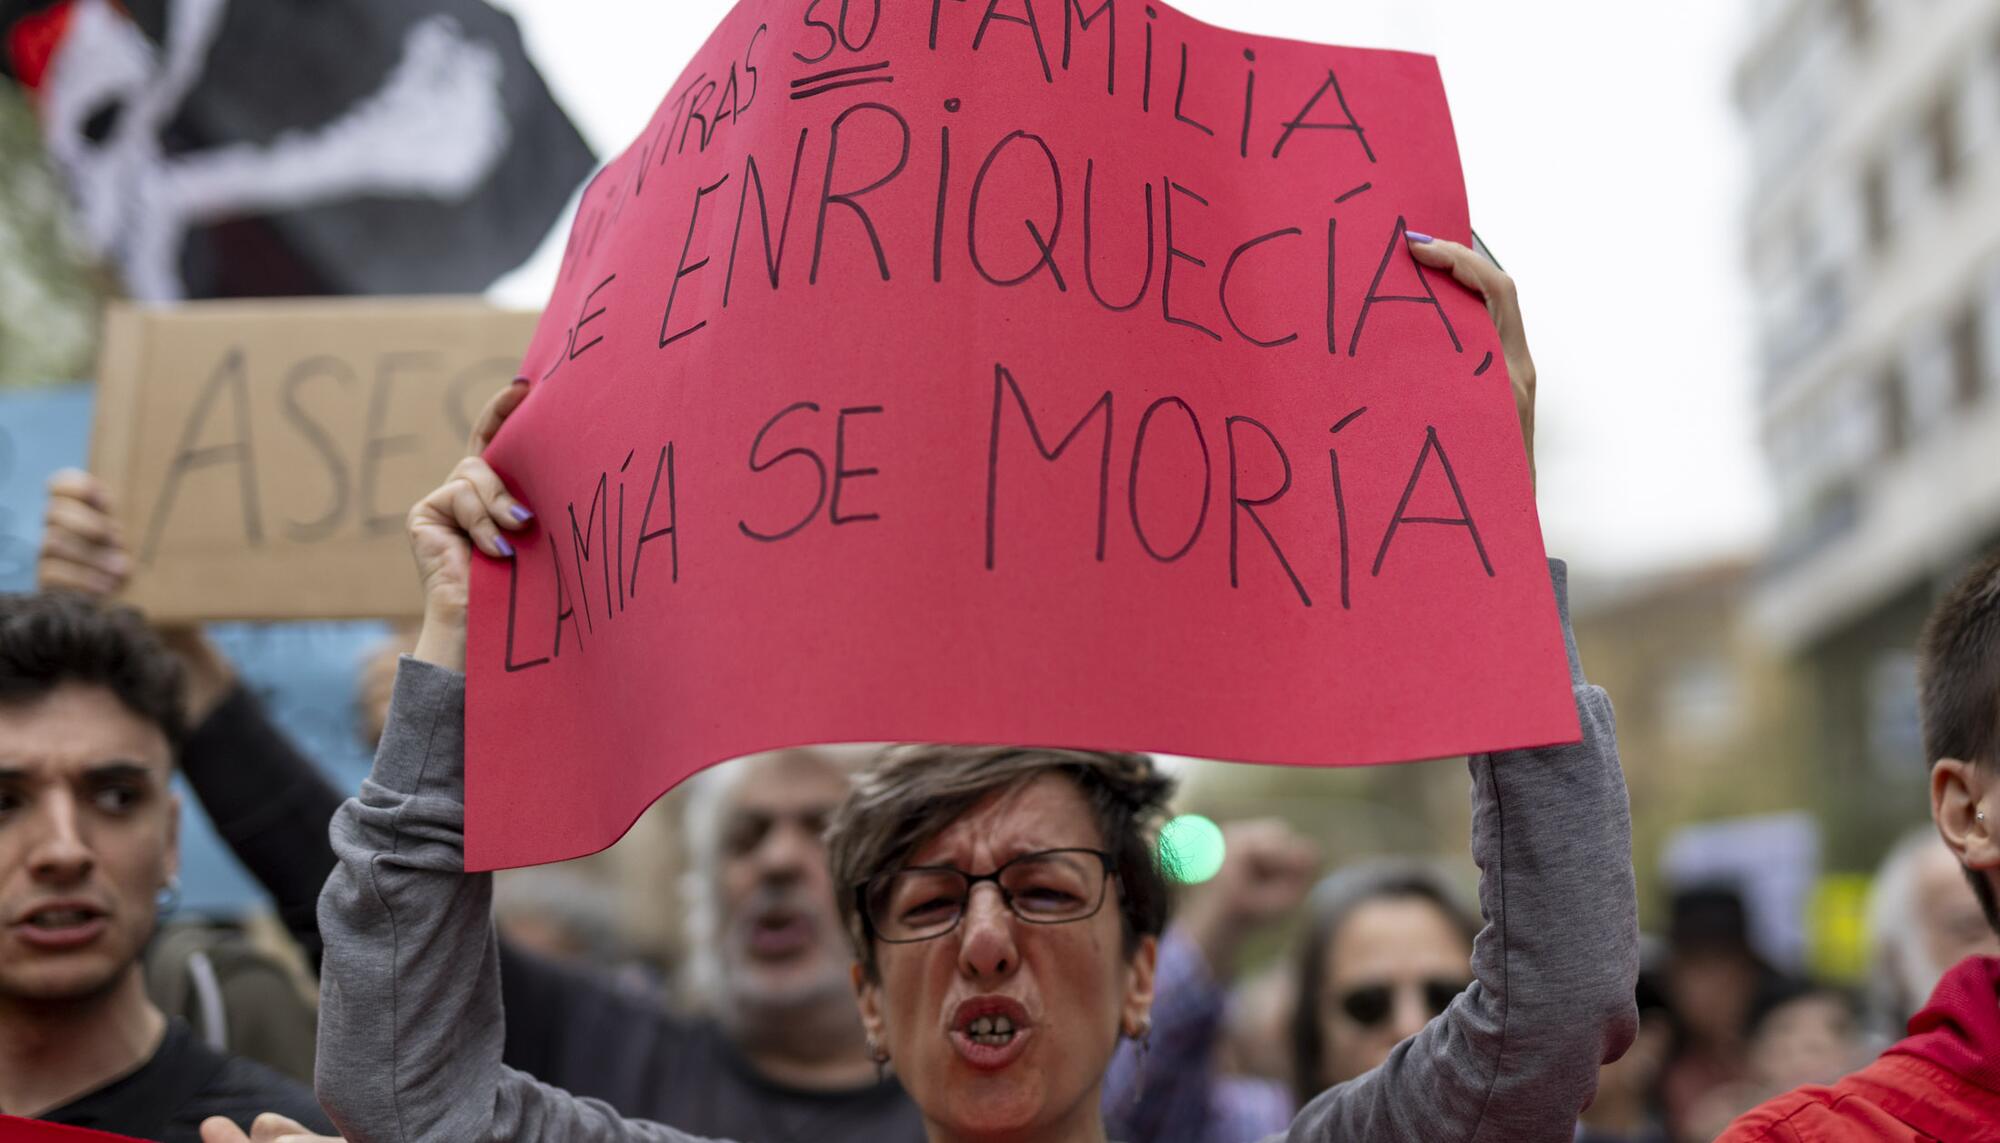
1503	305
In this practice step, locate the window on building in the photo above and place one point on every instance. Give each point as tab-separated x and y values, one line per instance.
1968	356
1853	430
1833	511
1895	735
1825	306
1894	411
1843	221
1979	109
1702	702
1930	381
1941	140
1875	203
1912	177
1857	18
1989	330
1802	238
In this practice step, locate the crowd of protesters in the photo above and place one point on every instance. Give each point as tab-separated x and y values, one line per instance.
848	978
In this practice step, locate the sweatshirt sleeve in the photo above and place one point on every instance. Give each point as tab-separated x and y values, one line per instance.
270	803
1515	1057
411	1026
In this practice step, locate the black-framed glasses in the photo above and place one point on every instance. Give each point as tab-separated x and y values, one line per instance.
1370	1004
924	902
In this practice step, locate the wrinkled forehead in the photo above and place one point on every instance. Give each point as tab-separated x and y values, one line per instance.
76	728
1038	812
786	783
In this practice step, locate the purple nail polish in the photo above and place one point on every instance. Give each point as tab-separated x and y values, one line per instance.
506	549
521	515
1418	237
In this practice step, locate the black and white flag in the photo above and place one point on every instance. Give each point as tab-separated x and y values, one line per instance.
235	148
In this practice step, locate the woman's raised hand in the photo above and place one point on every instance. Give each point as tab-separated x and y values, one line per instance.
1503	304
471	507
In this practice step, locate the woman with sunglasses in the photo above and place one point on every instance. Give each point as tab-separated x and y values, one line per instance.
1387	948
1003	904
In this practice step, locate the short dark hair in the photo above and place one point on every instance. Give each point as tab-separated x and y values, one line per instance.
1333	901
51	638
911	793
1958	682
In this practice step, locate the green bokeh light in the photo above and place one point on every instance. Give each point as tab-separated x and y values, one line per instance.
1191	849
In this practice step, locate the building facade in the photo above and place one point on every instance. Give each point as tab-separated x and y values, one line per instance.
1872	237
1711	727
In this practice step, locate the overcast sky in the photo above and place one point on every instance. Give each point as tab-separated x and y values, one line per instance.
1604	165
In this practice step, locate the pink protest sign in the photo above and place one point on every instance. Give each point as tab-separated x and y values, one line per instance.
1013	371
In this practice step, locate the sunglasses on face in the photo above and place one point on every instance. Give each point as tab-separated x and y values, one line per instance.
1370	1005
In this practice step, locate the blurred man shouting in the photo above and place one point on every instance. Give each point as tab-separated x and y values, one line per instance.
90	715
774	1050
767	938
1943	1081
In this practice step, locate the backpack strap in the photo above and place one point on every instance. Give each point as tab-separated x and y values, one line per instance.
208	1000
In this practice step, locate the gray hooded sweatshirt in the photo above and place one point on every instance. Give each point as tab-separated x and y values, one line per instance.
411	1025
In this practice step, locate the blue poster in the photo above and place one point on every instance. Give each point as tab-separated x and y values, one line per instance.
306	673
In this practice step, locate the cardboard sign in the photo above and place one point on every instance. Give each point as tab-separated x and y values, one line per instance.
263	454
306	674
1020	371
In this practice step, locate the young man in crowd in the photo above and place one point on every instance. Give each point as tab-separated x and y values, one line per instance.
773	1052
90	717
1943	1081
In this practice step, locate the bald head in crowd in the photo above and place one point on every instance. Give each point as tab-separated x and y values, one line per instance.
1922	919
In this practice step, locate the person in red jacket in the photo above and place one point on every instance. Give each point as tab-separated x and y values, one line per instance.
1942	1083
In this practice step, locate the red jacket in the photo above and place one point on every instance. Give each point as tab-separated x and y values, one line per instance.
1941	1085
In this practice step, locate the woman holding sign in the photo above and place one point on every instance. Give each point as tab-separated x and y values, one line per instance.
1003	905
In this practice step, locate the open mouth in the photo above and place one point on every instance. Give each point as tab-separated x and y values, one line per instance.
990	1032
777	935
61	918
62	924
